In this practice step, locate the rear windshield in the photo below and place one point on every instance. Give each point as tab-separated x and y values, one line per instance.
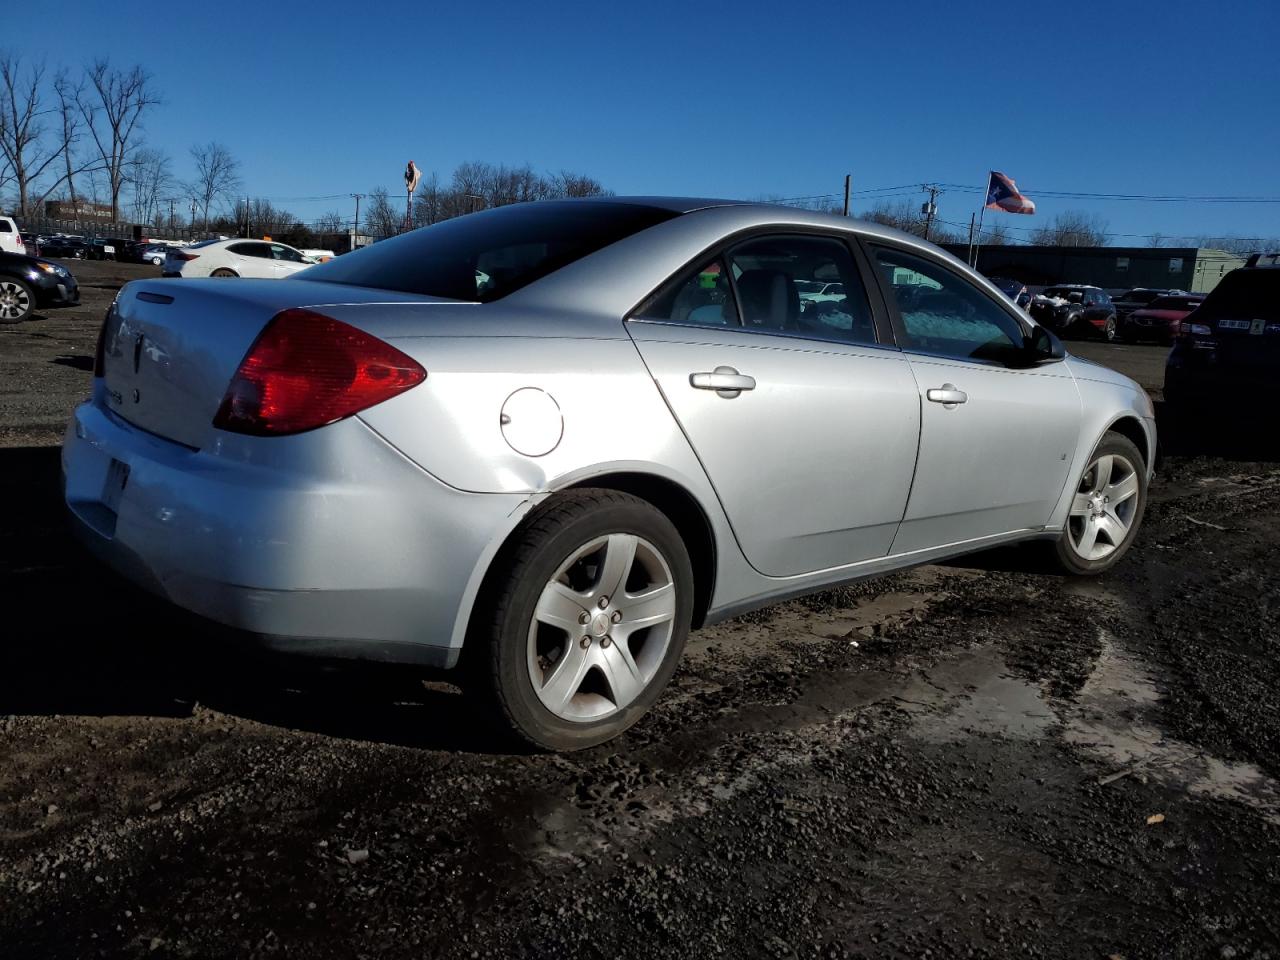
484	256
1141	296
1245	295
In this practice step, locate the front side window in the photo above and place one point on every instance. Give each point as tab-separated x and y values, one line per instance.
945	314
287	254
772	277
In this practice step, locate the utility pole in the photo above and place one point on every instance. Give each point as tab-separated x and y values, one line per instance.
929	208
847	178
355	230
969	259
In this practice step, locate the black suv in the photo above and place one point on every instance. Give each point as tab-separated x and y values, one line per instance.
1229	347
1076	308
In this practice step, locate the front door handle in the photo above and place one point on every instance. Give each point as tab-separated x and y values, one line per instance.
947	395
725	381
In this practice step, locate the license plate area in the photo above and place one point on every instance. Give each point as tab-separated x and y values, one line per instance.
113	489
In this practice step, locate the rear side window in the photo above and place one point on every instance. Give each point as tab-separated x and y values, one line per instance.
251	250
1245	295
702	296
5	227
485	256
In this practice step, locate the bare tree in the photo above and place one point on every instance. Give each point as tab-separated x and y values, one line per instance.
996	235
1072	229
112	110
151	178
330	223
26	153
383	219
1157	239
217	176
69	95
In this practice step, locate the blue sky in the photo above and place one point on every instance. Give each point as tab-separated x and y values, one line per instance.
733	99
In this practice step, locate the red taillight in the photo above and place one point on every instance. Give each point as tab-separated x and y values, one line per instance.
177	255
306	370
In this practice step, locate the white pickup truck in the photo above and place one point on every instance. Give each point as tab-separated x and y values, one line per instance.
10	238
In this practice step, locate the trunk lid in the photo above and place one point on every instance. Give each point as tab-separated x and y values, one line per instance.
171	347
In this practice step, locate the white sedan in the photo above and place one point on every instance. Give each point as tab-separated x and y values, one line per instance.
262	259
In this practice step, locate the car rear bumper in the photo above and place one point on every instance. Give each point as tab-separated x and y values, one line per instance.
337	547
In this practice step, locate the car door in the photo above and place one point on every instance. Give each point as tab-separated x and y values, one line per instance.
806	422
286	261
251	258
996	435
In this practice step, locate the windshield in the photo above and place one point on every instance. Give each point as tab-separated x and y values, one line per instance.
484	256
1141	296
1175	303
809	286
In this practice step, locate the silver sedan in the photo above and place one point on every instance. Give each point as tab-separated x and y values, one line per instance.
541	443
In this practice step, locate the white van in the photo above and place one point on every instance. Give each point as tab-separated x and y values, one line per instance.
10	238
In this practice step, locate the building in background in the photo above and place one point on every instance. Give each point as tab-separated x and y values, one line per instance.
1194	269
80	210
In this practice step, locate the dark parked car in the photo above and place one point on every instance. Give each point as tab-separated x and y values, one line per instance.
1161	318
1228	350
1136	299
65	248
1076	309
1015	290
27	283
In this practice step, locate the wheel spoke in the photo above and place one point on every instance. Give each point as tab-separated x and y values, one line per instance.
619	555
566	677
1122	490
560	607
646	609
1088	536
621	673
1080	505
1109	526
1102	472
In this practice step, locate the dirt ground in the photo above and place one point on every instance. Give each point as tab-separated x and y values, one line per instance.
981	759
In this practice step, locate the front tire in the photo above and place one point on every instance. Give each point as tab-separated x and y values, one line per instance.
1109	330
584	618
1106	508
17	302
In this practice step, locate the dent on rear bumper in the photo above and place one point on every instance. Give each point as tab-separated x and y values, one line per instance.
330	542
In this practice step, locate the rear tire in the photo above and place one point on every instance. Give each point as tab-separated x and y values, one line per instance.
224	272
560	683
1106	509
17	302
1109	330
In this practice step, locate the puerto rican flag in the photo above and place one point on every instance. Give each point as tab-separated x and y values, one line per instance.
1002	194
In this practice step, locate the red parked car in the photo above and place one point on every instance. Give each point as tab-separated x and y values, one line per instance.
1161	319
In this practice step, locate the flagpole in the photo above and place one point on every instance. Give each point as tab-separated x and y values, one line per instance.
982	212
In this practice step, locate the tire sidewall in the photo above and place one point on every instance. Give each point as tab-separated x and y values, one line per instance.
1111	443
534	721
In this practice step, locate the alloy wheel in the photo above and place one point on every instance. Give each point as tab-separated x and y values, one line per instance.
601	628
1104	507
15	301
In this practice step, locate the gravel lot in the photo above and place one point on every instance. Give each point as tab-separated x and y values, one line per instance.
980	759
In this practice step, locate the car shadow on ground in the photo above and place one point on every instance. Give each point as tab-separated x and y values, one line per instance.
75	361
81	641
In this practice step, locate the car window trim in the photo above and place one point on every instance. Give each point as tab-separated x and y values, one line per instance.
891	303
880	320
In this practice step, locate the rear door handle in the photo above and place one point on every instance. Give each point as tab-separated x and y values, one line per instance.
725	381
947	395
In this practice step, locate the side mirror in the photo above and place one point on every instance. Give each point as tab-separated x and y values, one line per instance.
1041	345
